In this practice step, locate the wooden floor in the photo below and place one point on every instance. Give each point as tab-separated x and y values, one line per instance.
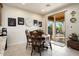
20	50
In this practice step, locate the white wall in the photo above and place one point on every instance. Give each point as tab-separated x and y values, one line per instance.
17	34
68	10
75	26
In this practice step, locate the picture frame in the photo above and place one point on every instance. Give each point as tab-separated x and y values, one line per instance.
20	21
40	24
35	22
11	21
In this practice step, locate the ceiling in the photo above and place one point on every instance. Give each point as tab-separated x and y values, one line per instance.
58	17
39	8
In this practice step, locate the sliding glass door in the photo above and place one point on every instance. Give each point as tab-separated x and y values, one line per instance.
60	31
50	28
56	27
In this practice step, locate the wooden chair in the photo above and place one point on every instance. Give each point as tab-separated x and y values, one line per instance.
29	41
47	41
37	43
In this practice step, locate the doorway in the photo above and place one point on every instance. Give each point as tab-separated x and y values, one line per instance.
56	28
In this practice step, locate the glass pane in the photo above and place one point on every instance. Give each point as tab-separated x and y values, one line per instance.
60	29
50	27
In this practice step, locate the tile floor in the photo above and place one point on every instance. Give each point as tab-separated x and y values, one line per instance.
20	50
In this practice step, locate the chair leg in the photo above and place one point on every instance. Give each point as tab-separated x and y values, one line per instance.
40	53
26	45
31	51
39	50
50	46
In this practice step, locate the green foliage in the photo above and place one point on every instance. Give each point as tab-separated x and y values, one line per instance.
50	27
59	27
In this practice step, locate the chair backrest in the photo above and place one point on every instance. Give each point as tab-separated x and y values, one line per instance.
27	34
26	31
36	41
36	38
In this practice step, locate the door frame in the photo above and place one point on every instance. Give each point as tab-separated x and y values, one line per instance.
46	21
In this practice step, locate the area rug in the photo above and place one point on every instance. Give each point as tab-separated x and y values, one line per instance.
58	43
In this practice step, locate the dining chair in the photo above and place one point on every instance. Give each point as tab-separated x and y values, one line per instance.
37	43
29	41
47	40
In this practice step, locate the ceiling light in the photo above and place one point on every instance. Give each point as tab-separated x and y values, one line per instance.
23	3
43	10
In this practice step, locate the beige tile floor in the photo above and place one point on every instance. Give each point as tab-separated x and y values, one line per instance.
20	50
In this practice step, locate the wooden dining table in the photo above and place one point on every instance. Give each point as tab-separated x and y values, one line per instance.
41	39
38	41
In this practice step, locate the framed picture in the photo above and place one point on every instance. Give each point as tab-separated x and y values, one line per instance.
40	24
35	22
20	21
11	21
